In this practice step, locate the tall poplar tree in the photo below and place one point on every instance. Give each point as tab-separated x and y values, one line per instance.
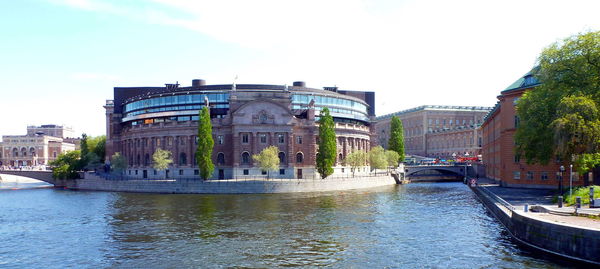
205	145
396	142
327	152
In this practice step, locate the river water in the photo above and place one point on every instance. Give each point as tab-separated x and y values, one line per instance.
424	225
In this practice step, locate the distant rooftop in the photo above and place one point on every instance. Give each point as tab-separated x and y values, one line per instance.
526	81
431	107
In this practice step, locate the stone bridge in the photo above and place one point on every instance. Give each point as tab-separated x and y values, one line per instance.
45	176
435	171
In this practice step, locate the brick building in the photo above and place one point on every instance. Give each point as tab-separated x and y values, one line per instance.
498	148
246	118
41	145
438	122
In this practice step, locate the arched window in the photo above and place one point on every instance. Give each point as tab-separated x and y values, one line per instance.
32	151
15	152
23	152
340	158
281	158
147	159
299	157
245	158
138	160
182	159
221	158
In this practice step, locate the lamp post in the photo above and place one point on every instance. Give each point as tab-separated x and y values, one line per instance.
560	187
571	180
466	156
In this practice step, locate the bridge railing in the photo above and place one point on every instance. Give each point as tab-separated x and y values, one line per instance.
497	198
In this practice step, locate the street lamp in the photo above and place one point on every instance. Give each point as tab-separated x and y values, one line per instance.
466	156
571	180
560	187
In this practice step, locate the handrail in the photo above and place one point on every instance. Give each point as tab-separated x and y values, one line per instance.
497	198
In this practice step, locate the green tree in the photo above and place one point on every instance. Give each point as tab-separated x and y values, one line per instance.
377	158
560	116
396	142
327	151
66	165
267	159
83	145
392	158
118	163
97	145
205	145
161	159
356	159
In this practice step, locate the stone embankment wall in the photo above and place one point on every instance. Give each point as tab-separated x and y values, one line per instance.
93	182
573	242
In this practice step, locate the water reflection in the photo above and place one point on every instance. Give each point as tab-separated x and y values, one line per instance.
414	226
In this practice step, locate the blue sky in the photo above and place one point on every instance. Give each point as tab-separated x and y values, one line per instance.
60	59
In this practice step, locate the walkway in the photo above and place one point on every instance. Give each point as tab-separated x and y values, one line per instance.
518	197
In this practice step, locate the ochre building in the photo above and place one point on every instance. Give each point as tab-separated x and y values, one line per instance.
41	145
246	118
436	131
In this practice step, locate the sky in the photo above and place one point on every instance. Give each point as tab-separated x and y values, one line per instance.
60	59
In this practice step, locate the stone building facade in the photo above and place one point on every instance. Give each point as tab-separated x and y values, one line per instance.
246	118
501	161
423	122
461	140
37	147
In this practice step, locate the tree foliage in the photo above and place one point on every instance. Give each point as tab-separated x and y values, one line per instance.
327	152
92	151
118	162
560	116
97	145
205	145
392	158
161	159
377	158
267	159
396	142
66	165
356	159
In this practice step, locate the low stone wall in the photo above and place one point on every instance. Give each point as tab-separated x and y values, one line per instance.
93	182
573	242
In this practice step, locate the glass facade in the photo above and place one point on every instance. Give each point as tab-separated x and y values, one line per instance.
336	105
175	102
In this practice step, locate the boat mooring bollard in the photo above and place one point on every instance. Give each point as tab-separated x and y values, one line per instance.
578	201
560	201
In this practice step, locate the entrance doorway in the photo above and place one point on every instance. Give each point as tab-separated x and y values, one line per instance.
299	173
221	174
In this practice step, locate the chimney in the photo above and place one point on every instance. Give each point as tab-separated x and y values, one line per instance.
198	82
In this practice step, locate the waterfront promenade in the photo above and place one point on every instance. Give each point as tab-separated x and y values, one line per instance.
561	231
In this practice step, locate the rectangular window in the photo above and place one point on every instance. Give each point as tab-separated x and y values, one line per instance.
196	172
136	172
220	139
155	172
529	175
544	175
516	175
517	158
282	171
181	172
246	172
280	138
263	172
263	138
517	121
245	138
299	139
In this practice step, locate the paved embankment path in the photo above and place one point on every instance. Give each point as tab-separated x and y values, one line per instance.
518	197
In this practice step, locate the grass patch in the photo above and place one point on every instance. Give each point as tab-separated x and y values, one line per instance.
583	192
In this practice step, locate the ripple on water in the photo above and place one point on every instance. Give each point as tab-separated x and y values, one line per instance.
411	226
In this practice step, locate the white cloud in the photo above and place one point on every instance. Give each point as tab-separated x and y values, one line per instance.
460	52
